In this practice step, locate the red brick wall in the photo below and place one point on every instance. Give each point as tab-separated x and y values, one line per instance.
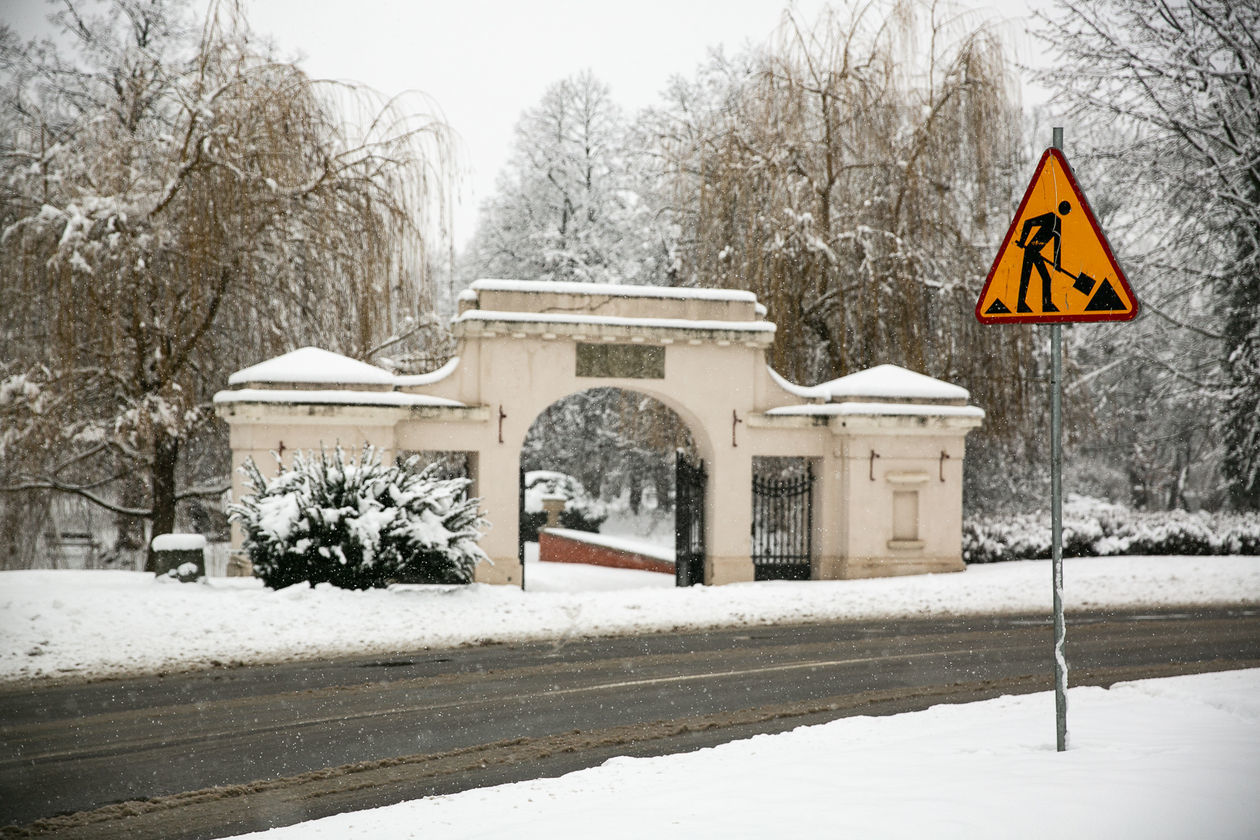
557	548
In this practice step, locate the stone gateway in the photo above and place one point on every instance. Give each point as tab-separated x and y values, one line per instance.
885	445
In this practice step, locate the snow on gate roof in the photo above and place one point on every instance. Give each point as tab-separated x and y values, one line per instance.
311	364
869	387
890	382
333	396
613	321
612	290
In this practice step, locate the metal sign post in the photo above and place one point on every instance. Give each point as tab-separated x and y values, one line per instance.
1056	537
1053	239
1056	518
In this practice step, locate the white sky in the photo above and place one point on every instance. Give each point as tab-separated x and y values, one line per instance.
485	61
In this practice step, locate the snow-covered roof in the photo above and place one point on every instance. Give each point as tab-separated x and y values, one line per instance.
613	321
612	290
430	378
863	394
178	542
890	382
331	397
805	392
311	364
874	409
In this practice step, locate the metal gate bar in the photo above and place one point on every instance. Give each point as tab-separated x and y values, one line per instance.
520	517
689	549
783	526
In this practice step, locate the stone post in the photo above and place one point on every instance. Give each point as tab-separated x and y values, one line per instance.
553	506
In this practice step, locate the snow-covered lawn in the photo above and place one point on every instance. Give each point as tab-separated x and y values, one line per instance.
1172	758
1168	758
73	624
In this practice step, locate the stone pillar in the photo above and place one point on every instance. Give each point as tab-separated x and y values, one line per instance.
728	519
553	506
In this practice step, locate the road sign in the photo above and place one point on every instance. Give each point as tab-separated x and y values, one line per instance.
1055	265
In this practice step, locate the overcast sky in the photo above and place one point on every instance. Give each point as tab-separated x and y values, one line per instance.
484	61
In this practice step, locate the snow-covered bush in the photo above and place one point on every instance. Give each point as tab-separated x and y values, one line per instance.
1092	528
358	523
581	512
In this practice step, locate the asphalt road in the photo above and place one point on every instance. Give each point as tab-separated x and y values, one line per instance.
214	753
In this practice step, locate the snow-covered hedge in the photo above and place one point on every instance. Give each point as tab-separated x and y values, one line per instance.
358	524
1092	528
581	512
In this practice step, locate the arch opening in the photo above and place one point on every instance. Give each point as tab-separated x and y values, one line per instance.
610	452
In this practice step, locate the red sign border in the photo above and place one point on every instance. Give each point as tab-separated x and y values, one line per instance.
1059	318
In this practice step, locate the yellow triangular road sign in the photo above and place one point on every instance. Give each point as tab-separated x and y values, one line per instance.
1055	265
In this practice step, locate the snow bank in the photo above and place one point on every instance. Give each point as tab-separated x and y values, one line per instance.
1169	758
90	623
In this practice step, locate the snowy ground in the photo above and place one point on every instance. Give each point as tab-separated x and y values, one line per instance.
1171	758
80	624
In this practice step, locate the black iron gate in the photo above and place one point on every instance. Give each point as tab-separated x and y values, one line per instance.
520	517
782	526
689	480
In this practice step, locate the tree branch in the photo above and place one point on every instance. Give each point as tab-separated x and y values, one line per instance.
50	484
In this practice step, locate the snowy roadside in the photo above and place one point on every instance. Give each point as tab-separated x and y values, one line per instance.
1169	758
87	624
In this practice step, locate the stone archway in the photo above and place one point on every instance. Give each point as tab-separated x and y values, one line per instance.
604	448
619	445
888	442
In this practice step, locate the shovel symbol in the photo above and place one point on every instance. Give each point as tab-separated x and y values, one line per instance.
1084	283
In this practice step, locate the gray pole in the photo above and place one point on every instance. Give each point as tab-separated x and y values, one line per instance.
1056	520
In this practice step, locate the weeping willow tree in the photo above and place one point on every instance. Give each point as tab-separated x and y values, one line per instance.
857	174
177	204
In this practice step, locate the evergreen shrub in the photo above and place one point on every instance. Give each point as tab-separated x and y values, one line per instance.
357	523
1092	528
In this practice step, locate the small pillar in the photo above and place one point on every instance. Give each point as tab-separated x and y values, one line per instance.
177	552
553	506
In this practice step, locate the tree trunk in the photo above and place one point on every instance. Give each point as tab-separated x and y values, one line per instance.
165	454
636	485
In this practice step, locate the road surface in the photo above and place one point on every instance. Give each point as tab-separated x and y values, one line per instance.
208	754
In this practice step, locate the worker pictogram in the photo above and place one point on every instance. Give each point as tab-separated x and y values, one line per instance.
1055	264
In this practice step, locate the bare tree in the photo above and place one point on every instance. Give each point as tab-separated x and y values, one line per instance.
857	174
1167	100
177	203
1168	94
